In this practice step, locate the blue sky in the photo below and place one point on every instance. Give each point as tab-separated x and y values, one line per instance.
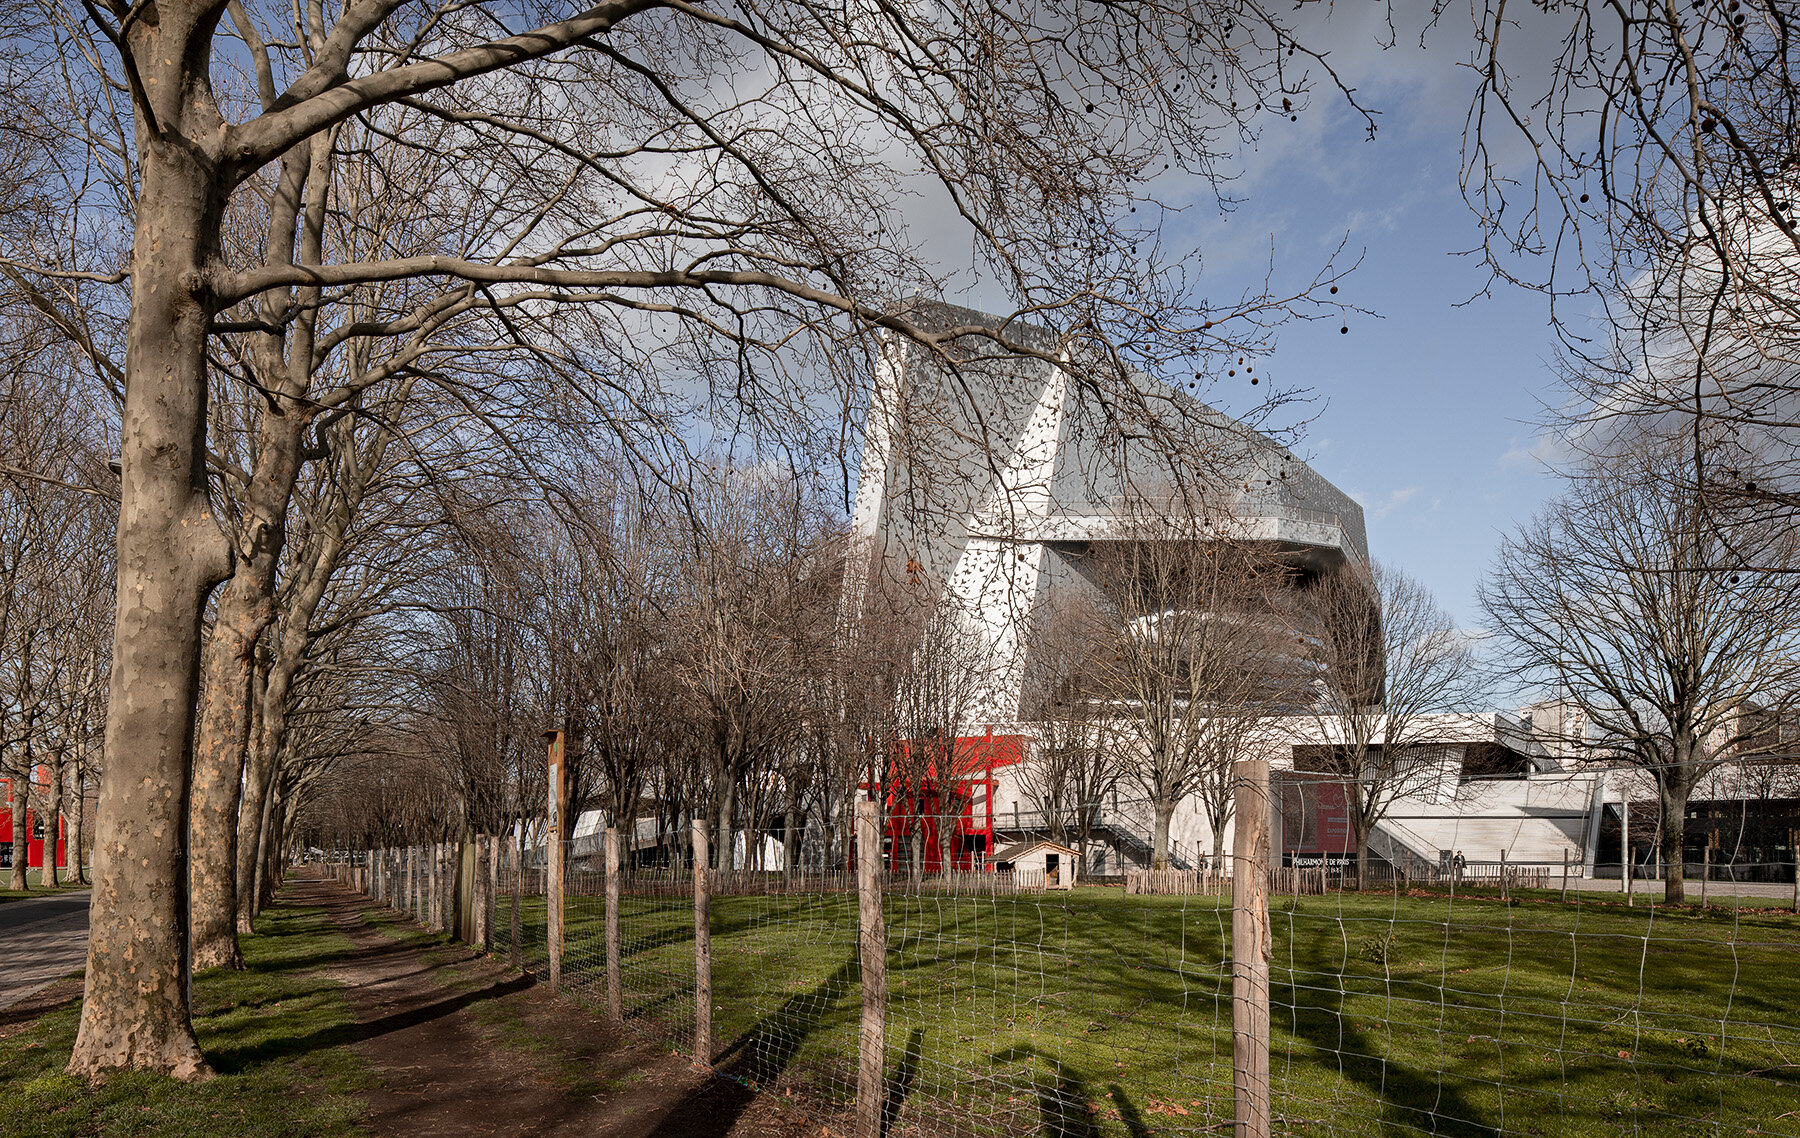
1427	415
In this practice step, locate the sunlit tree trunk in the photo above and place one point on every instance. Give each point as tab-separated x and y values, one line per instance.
170	555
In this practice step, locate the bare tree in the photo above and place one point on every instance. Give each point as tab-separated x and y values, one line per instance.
1190	650
1388	666
745	564
1656	179
776	225
1074	762
936	690
1621	594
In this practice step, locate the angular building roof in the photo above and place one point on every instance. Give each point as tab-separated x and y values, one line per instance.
986	476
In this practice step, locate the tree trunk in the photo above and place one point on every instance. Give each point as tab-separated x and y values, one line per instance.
77	828
17	801
725	854
1362	856
790	840
170	555
52	820
246	607
1672	828
1164	811
254	823
274	851
219	746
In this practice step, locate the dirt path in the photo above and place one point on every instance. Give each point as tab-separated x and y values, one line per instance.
465	1047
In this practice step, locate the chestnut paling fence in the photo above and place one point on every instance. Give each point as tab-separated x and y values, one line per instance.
901	997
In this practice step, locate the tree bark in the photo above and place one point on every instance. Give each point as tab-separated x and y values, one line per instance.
17	801
52	820
1164	810
77	828
254	823
170	555
245	608
725	852
1670	831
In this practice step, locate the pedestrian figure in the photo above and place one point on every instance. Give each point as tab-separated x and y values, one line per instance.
1457	865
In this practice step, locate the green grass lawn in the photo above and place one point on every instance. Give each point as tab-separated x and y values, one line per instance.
275	1034
1097	1014
34	880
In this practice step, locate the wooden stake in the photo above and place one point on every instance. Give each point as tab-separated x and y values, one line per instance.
1251	948
479	894
1625	844
871	1087
516	848
615	988
702	949
1793	836
553	847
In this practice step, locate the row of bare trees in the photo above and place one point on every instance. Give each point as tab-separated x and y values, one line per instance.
280	236
1194	651
55	590
693	646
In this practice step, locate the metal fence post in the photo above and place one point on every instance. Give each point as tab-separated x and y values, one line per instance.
1251	948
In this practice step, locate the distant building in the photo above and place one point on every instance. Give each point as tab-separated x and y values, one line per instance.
989	486
34	845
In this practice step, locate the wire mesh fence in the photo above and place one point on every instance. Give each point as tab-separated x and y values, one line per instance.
1019	997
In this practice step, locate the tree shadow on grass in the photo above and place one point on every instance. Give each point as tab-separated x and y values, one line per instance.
1129	1114
1421	1100
1066	1105
230	1060
756	1059
905	1077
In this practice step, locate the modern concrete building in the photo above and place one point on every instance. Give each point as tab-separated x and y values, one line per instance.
986	484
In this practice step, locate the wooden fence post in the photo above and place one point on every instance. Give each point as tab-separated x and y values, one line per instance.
434	902
1565	883
478	892
615	987
1251	949
491	894
1793	838
871	1087
553	848
516	848
1503	881
702	949
1625	844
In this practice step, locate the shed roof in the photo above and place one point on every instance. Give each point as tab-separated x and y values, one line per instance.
1019	849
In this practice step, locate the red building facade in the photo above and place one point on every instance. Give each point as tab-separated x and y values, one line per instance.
949	821
34	829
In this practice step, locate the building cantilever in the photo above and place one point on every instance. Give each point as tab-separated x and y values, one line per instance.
987	474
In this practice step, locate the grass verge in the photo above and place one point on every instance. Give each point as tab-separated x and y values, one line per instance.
276	1033
1102	1015
34	879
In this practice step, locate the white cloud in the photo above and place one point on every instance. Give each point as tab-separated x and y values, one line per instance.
1394	500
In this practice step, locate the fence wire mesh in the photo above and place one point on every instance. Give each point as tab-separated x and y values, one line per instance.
1027	994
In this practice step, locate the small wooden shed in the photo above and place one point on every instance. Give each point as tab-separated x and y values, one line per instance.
1056	865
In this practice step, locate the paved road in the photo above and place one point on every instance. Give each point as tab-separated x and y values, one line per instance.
1777	893
41	942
